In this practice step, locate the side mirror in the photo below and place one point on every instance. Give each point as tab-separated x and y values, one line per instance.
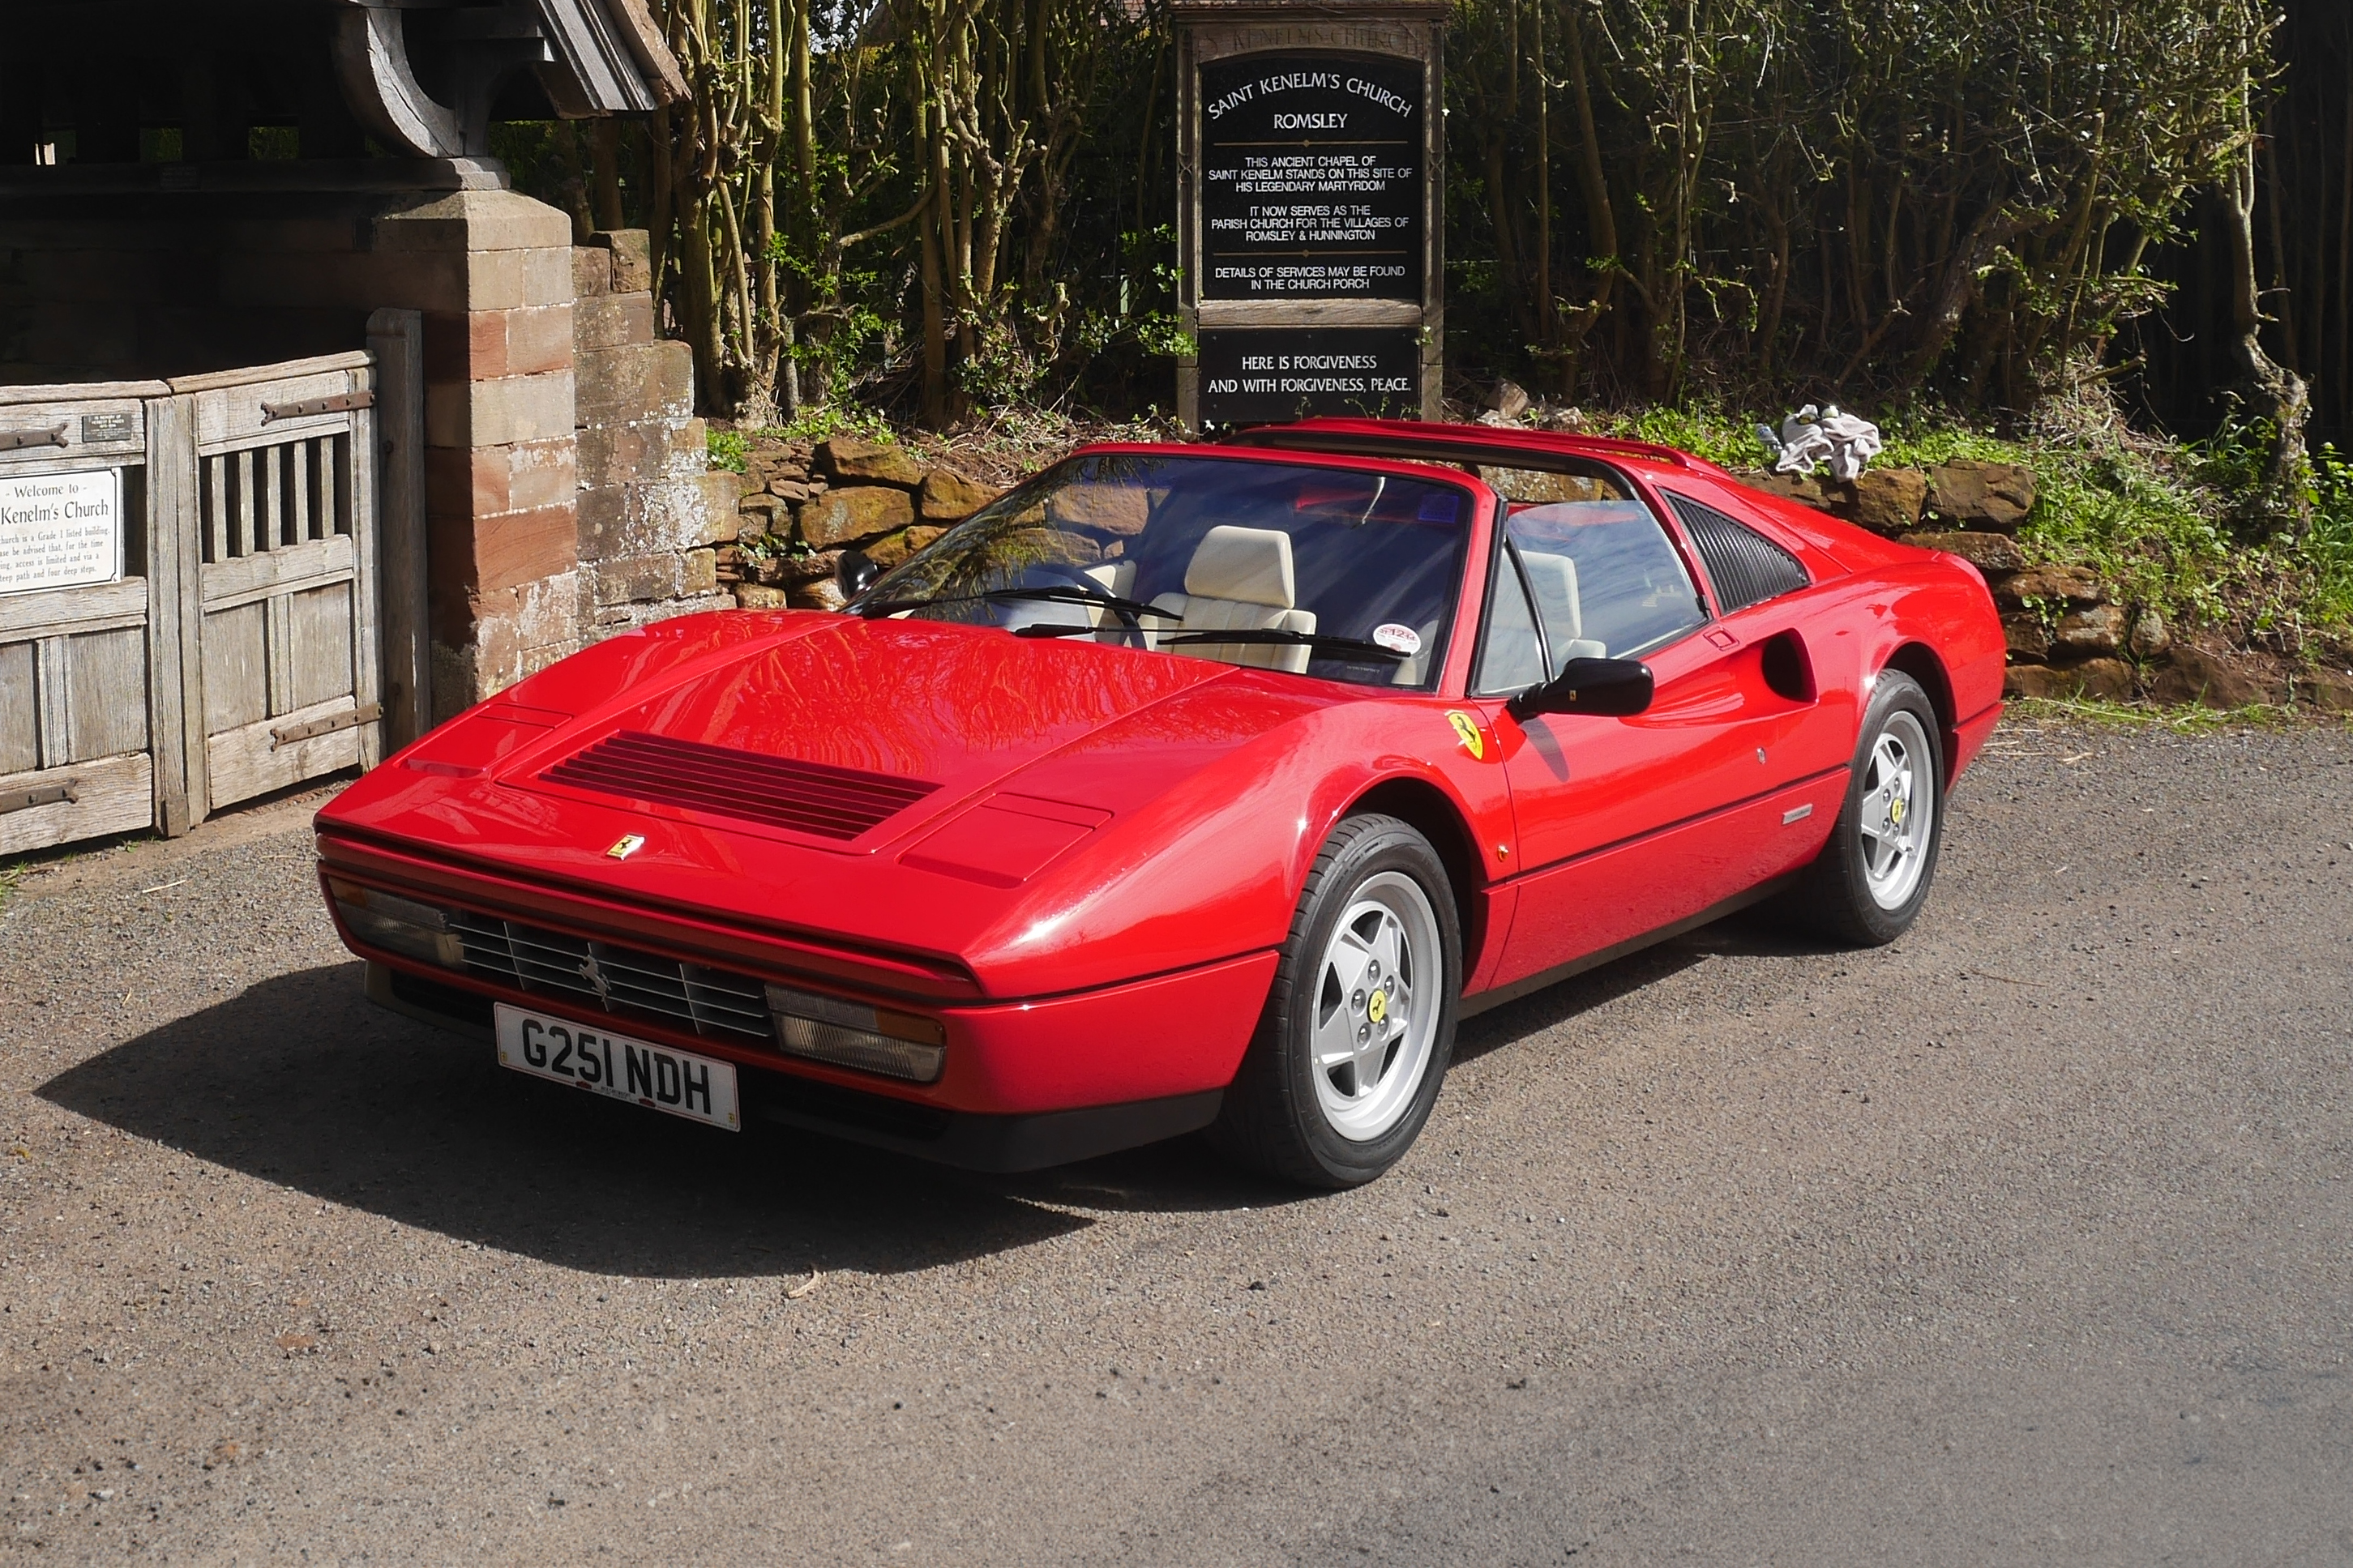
857	572
1606	686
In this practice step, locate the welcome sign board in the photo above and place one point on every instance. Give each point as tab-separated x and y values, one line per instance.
1312	177
60	530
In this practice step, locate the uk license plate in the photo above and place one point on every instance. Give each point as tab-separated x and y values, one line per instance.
658	1078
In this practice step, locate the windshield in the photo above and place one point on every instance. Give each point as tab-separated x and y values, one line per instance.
1318	571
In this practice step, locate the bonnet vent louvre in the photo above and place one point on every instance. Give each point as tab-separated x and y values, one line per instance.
806	797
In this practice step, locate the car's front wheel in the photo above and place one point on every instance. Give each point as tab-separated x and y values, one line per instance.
1360	1024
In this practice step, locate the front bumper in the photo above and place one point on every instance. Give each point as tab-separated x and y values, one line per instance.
973	1141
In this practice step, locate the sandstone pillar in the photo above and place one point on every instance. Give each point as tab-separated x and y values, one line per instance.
491	270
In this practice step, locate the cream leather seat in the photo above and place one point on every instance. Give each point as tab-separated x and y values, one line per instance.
1240	579
1554	578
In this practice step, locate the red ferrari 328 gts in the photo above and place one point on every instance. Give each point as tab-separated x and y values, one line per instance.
1181	787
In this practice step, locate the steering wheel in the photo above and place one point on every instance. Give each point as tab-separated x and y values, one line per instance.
1059	575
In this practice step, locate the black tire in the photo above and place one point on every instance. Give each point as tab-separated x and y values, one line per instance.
1274	1118
1839	894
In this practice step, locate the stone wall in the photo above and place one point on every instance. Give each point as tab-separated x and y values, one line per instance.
2069	633
652	516
802	504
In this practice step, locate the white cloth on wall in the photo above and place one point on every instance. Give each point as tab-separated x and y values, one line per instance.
1815	435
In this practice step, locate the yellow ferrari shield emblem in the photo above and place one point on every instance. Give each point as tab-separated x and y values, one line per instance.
1378	1007
1895	811
1466	730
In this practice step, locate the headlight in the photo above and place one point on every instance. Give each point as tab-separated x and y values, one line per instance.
852	1035
398	924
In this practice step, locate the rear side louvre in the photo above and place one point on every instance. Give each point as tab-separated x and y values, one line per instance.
1746	567
806	797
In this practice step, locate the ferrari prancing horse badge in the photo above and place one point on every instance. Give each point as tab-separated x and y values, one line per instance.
1466	730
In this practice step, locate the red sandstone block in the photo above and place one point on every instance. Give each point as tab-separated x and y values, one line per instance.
539	473
538	338
498	411
474	221
615	319
517	547
547	277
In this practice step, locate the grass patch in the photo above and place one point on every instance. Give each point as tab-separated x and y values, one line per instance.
731	448
728	449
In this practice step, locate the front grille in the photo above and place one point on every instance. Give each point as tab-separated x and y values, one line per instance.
807	797
622	980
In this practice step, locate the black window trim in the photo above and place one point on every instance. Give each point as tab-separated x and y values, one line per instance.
1511	552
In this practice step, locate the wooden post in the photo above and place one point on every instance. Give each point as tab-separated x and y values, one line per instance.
178	413
172	491
366	510
396	338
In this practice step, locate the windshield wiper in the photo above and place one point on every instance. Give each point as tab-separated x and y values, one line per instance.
1283	635
1012	595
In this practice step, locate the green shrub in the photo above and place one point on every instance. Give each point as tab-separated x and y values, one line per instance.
2154	517
727	449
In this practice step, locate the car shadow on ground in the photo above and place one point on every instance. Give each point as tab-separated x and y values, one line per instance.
301	1082
1762	931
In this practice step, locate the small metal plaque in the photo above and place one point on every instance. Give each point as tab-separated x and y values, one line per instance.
60	530
98	427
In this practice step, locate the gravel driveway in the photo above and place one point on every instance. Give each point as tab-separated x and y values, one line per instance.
2027	1239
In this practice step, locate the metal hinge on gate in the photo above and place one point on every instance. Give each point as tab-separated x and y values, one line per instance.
287	734
15	440
340	403
40	795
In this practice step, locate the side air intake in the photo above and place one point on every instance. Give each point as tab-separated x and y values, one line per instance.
751	786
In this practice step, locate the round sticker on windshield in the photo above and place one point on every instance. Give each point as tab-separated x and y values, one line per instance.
1398	639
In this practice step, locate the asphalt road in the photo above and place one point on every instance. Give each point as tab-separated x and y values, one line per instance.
2028	1239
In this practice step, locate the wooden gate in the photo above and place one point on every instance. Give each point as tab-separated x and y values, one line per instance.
278	629
79	665
238	648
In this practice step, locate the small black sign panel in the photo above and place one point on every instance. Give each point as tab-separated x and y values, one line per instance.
1251	375
1311	177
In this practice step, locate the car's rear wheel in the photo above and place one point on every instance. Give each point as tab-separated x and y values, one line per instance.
1360	1024
1873	877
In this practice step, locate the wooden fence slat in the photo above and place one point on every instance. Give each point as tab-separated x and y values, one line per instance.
20	724
51	701
102	669
216	506
242	527
175	494
279	651
116	795
189	618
